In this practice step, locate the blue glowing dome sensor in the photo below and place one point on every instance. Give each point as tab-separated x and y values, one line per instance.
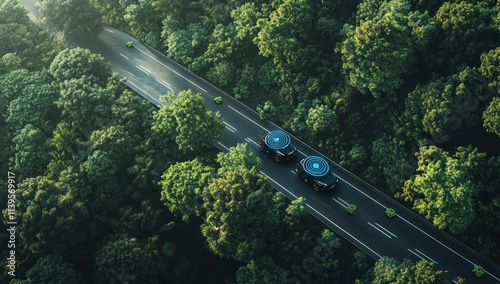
316	166
277	140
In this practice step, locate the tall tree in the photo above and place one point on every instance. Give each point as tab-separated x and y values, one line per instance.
74	63
32	152
84	105
182	187
380	49
260	270
52	269
491	116
389	270
72	19
241	209
187	120
35	104
125	259
445	107
467	31
54	220
445	187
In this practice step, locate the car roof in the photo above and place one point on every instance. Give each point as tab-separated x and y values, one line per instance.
277	140
316	166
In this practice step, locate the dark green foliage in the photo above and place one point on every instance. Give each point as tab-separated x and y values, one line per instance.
446	187
266	111
72	19
23	44
126	260
240	213
182	187
391	162
380	49
78	62
187	121
389	270
445	107
52	269
32	152
467	31
241	210
53	218
261	270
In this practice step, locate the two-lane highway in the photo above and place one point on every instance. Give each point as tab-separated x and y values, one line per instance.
406	236
152	74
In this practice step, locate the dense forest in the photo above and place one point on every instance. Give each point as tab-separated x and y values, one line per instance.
404	93
108	188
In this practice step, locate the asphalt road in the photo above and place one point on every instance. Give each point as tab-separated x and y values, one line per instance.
409	236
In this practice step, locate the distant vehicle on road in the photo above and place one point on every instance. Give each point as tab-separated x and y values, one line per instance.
277	145
315	171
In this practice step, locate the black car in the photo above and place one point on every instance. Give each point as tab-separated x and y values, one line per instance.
315	171
277	145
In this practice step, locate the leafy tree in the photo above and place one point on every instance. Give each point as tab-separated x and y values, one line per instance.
144	20
12	85
266	111
73	19
187	121
391	161
223	44
444	107
184	45
491	116
31	152
280	35
284	38
125	259
15	23
99	167
389	270
321	119
261	270
77	62
240	212
117	143
245	19
182	186
222	73
132	112
379	50
467	31
53	218
52	269
293	241
111	11
246	78
445	188
23	44
490	67
9	62
35	104
240	155
327	268
360	261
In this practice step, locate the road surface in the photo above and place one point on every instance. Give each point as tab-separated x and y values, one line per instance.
151	74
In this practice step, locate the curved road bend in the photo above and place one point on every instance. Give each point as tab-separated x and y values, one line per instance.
152	74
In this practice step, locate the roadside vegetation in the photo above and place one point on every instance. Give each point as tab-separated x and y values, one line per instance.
111	189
